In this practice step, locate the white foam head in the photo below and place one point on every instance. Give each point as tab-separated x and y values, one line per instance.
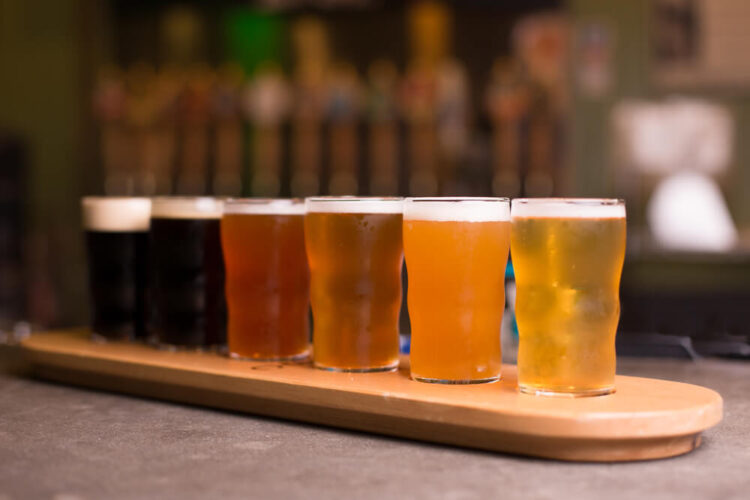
187	207
354	205
457	209
568	208
116	214
264	206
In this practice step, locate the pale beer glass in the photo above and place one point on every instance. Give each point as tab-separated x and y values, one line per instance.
567	255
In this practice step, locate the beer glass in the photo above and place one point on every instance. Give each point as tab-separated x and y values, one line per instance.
267	280
187	272
117	251
456	252
355	254
568	256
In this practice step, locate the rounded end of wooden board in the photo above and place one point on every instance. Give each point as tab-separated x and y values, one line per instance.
625	450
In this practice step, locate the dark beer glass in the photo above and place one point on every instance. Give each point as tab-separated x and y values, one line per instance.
116	232
187	273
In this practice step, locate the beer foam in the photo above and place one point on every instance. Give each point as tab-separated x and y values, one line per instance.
569	208
354	205
176	207
260	206
116	213
457	209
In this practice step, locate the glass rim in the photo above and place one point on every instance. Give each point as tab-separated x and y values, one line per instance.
187	197
317	199
187	207
116	213
264	206
457	199
263	201
354	205
571	201
105	198
462	209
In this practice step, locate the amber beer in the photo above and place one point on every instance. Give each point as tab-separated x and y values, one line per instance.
568	256
117	253
456	252
355	253
267	280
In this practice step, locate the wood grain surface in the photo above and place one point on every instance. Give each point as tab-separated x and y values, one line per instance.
644	419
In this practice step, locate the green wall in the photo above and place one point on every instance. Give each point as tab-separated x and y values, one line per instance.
41	100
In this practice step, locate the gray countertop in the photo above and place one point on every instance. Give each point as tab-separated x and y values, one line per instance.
68	443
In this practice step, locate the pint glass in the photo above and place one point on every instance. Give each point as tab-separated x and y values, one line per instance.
187	272
355	253
456	252
117	250
568	256
267	280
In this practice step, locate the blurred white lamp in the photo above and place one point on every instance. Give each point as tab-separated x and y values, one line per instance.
687	142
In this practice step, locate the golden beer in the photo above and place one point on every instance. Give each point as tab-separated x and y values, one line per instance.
568	256
456	252
267	280
355	253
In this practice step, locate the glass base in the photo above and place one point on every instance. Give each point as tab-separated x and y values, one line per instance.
104	339
387	368
185	348
488	380
540	391
297	357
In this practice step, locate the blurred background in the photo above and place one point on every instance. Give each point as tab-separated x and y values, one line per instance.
646	100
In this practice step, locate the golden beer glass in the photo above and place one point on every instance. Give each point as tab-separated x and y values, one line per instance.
355	253
456	252
267	280
567	255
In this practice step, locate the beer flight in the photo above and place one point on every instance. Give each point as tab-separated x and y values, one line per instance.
241	274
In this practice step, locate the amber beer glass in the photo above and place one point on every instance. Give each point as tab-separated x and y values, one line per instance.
117	250
187	272
456	252
267	280
355	253
568	256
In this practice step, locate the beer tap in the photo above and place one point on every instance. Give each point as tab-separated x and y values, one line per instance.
227	151
344	104
266	101
383	140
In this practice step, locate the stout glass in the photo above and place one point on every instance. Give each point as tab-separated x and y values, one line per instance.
456	252
117	250
568	256
188	272
355	254
267	280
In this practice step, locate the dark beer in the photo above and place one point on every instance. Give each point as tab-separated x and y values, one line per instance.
187	272
117	247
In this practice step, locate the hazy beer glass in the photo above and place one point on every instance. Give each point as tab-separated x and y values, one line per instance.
117	249
267	280
187	272
355	254
456	252
568	256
